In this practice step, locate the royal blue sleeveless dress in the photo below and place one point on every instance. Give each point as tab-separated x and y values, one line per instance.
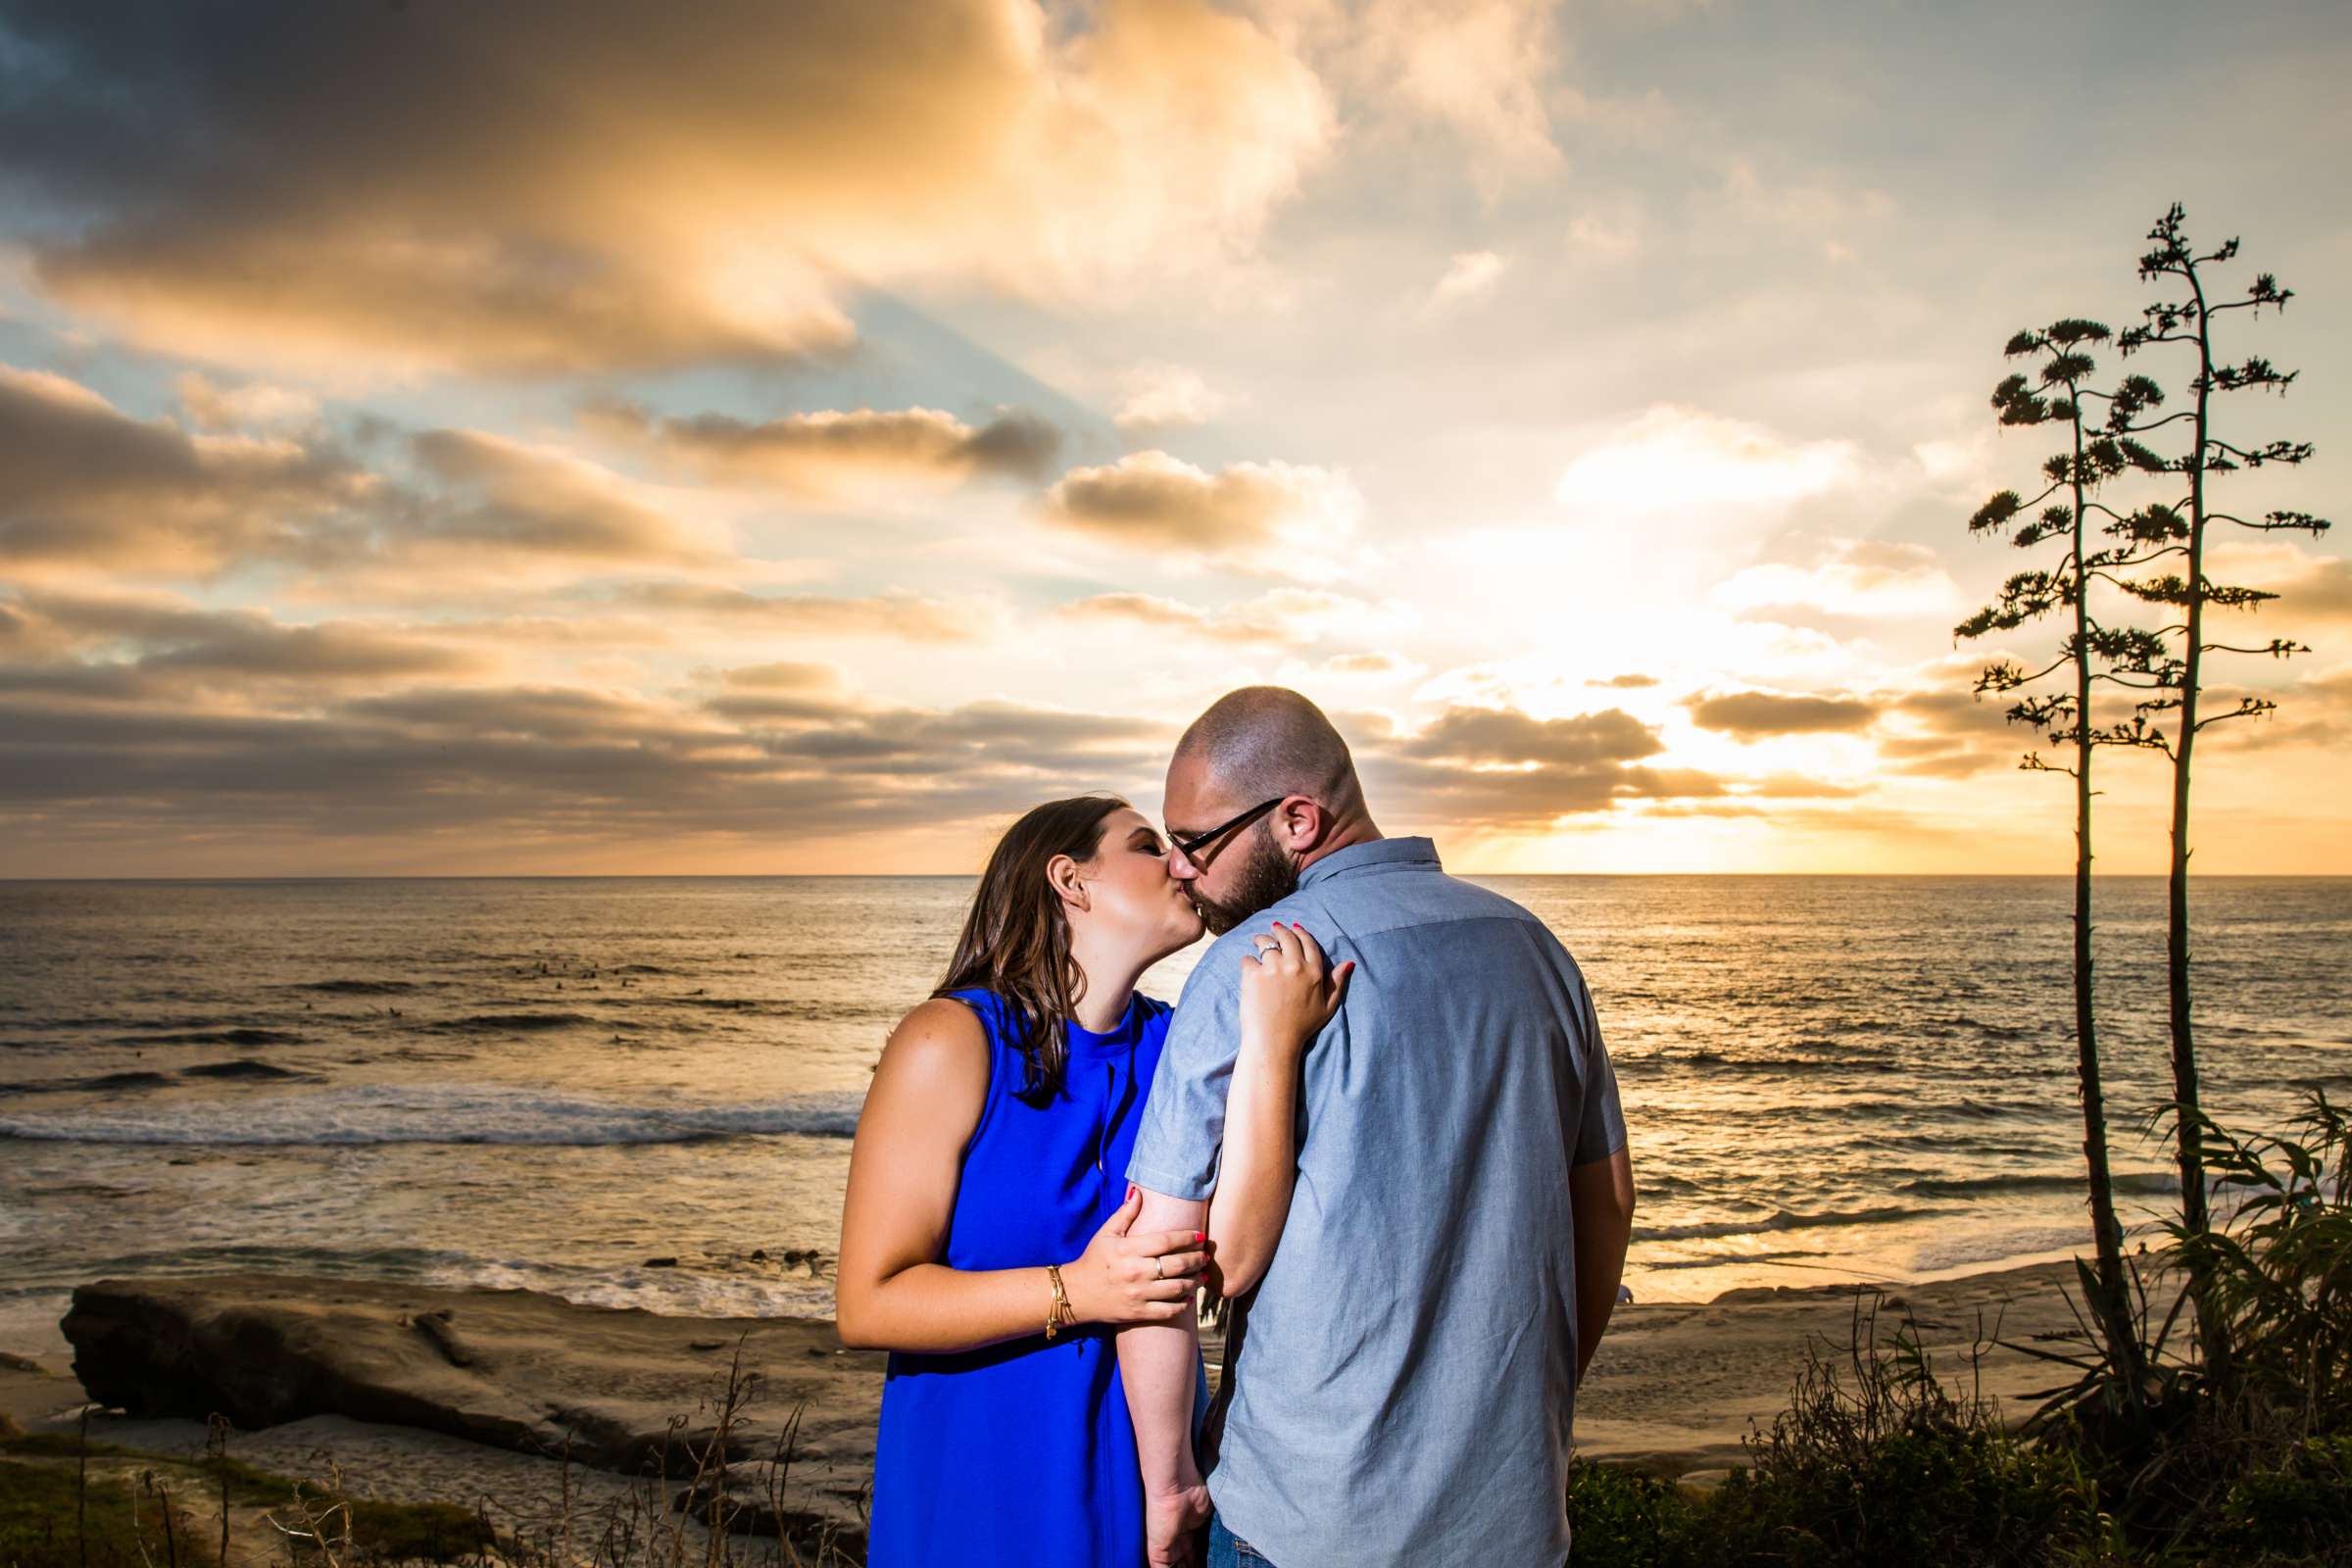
1022	1453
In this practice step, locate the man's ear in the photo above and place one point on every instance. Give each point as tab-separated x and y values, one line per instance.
1302	823
1061	875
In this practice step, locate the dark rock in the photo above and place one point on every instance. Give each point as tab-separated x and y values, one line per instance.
435	1327
660	1262
530	1372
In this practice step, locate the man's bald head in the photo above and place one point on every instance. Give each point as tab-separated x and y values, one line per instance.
1263	740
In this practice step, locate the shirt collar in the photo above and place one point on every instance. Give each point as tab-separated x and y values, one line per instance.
1378	854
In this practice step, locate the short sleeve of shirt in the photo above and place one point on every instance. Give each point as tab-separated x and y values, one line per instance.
1600	1127
1183	1125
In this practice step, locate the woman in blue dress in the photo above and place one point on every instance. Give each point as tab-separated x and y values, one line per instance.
986	1236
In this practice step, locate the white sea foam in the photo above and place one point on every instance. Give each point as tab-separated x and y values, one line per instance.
437	1113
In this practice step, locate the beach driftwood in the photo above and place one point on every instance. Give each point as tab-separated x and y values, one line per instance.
513	1369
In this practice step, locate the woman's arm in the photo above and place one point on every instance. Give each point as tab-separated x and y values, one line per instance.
1288	995
891	1291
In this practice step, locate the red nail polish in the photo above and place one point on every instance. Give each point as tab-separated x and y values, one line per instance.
1198	1237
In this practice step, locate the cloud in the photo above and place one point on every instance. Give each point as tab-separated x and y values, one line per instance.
1470	273
1164	396
1369	664
1951	733
255	405
82	483
83	486
547	189
1500	767
118	649
2314	590
786	676
1686	463
1242	517
1747	200
907	617
1626	682
1507	735
501	495
835	454
1478	68
1283	617
501	767
1753	715
1857	577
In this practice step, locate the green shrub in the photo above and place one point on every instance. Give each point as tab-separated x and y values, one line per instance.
45	1524
1623	1517
2299	1511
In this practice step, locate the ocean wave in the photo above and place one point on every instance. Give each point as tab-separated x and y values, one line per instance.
215	1037
1718	1260
242	1067
471	1113
508	1022
1784	1221
104	1083
2150	1183
359	987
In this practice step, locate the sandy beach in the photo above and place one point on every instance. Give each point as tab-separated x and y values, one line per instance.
460	1394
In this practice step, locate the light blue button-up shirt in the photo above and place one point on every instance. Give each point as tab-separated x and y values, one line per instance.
1398	1387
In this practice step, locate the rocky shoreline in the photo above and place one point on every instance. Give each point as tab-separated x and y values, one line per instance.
432	1393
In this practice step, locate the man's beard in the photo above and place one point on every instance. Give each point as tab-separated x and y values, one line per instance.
1267	877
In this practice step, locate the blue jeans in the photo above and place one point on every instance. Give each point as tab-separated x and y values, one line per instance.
1228	1550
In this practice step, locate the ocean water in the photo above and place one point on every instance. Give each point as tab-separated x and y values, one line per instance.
551	1082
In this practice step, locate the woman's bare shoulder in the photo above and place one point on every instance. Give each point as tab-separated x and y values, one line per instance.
941	1041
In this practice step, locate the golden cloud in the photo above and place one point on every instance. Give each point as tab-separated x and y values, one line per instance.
1753	715
1285	618
907	617
1247	516
836	453
83	484
556	187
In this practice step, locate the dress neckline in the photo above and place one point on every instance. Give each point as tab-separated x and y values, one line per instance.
1118	1037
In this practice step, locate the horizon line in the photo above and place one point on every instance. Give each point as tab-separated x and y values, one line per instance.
967	876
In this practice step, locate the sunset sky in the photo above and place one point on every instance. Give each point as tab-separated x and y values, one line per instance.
462	438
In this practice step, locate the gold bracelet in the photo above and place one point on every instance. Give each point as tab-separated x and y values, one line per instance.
1059	1314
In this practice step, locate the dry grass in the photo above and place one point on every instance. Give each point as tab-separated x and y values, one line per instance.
65	1502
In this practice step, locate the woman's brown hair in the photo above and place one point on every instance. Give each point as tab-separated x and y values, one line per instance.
1017	941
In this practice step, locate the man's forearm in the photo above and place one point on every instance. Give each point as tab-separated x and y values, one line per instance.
1258	1165
1158	1364
1602	1202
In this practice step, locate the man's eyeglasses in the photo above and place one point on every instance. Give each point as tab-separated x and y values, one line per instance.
1190	845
